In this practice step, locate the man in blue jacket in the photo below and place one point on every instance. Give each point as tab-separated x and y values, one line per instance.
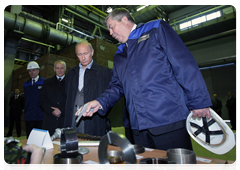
33	114
160	79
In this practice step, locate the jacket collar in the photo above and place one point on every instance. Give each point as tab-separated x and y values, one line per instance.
94	67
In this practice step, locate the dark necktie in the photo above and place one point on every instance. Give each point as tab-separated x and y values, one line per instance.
59	79
33	81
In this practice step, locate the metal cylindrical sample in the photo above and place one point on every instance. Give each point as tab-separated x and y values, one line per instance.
117	140
58	159
138	149
115	156
156	164
181	156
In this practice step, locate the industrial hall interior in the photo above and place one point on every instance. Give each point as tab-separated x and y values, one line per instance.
46	36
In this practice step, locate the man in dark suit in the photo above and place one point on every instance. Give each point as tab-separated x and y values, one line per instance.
85	82
16	106
217	105
231	106
52	99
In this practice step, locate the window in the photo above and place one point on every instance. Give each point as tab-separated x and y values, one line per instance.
199	20
185	25
213	15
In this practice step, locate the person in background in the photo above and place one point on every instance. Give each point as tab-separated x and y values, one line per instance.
33	113
84	83
165	82
217	105
231	106
16	106
52	98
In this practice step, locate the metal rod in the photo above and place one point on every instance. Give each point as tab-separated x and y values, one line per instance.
73	30
69	10
37	42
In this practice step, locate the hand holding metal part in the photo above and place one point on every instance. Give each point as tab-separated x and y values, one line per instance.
81	111
88	109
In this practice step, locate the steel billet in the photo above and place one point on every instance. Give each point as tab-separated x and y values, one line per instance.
182	156
118	140
157	163
138	149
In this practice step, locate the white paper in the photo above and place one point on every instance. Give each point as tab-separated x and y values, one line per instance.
40	138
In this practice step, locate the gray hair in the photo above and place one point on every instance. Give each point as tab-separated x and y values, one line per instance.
84	42
60	61
118	14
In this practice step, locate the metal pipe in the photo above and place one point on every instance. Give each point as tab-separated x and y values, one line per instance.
23	13
37	42
85	18
98	10
211	37
38	30
92	11
74	30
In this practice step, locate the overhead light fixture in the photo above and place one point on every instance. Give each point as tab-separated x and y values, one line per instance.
109	9
65	20
144	6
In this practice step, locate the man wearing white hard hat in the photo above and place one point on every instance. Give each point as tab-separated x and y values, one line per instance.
33	114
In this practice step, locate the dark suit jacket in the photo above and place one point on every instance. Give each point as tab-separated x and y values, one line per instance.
231	105
52	95
217	106
16	106
96	80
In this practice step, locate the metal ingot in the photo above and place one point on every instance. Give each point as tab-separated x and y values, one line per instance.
115	157
156	161
181	156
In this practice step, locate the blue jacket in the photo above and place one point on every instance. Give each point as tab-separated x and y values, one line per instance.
158	76
33	111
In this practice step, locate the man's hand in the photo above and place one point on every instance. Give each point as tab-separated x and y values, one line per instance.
56	112
205	112
91	105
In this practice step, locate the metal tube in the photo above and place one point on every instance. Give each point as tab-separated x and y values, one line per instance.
23	13
36	30
92	11
99	11
74	30
85	18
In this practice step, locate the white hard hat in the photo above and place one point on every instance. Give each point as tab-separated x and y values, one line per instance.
213	134
32	65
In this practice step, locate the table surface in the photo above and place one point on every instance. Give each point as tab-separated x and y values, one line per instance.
93	154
